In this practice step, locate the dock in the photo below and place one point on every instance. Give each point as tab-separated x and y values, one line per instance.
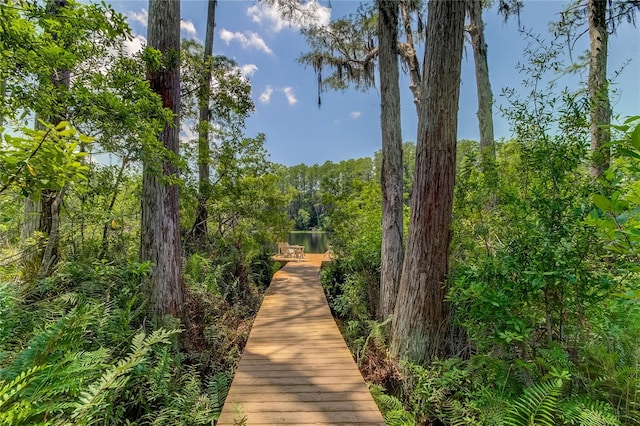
296	368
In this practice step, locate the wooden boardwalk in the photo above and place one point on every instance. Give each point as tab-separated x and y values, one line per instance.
296	367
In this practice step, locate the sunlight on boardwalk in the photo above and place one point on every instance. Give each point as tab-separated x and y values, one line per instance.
296	368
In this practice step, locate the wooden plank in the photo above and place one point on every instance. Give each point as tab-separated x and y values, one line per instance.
293	356
292	406
329	371
339	388
296	368
297	380
311	365
295	394
312	416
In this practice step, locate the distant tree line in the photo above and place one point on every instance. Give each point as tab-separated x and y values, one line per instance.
315	190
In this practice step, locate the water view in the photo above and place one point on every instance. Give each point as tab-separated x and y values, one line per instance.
313	241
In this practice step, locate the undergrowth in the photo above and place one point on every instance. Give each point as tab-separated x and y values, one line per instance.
77	347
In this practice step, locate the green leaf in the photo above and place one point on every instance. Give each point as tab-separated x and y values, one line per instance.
62	125
622	128
632	118
86	139
629	153
635	137
602	202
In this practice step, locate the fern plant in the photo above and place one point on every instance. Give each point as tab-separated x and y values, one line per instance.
12	409
392	408
10	299
189	405
538	406
92	401
217	389
584	412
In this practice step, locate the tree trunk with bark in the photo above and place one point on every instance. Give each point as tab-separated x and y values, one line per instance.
391	176
50	255
160	226
483	84
199	232
46	211
410	56
421	328
600	112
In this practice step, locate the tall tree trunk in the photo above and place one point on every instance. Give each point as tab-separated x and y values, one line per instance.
204	152
483	84
46	211
31	219
391	177
160	226
598	86
421	326
409	54
50	255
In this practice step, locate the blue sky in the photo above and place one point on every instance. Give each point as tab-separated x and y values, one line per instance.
348	123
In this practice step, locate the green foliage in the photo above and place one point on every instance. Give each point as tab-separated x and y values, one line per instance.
42	159
9	316
94	401
352	281
217	390
65	358
537	406
75	347
13	410
262	270
434	388
547	309
392	408
319	192
609	373
190	406
230	100
345	47
202	271
39	42
527	271
588	413
616	216
153	59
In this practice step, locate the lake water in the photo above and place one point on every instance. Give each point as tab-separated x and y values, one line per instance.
313	242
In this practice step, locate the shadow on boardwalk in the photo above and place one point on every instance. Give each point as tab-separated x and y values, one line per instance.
296	368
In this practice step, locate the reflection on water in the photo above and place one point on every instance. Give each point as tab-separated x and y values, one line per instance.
313	241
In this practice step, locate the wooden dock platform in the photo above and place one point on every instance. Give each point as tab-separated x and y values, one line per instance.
296	367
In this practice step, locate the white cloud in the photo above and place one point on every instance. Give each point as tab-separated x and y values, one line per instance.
291	97
355	114
247	70
260	13
246	40
309	14
187	132
226	35
265	97
188	27
135	45
141	17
